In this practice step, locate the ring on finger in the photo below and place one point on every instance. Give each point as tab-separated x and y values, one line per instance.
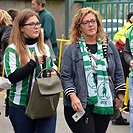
75	106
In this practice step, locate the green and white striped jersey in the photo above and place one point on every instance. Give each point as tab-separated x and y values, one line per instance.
18	92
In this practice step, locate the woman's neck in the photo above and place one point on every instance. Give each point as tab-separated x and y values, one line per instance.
90	40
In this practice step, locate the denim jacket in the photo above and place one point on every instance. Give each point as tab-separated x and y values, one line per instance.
73	74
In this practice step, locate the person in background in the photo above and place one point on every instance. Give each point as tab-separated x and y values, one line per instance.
120	37
5	21
128	56
5	29
48	25
119	41
19	64
13	13
88	64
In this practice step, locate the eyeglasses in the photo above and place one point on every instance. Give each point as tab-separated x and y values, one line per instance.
87	22
33	25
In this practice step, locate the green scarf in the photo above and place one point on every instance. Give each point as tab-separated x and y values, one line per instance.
100	96
130	37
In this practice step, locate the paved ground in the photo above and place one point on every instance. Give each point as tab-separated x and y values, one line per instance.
5	125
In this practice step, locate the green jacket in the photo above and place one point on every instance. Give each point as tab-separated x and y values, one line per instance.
48	26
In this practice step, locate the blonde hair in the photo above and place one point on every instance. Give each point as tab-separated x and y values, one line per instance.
5	18
19	41
75	33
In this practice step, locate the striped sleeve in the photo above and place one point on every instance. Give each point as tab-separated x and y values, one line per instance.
68	91
120	88
11	61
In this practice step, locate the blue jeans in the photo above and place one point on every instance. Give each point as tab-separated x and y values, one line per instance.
23	124
130	89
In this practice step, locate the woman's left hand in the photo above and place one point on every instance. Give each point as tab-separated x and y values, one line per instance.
118	103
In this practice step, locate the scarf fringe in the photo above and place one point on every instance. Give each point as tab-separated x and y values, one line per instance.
92	100
103	110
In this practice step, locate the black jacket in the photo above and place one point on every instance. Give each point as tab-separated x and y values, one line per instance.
4	36
4	40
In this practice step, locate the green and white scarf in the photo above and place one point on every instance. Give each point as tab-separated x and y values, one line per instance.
99	95
130	37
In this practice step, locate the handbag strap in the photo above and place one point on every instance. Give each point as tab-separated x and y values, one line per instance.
29	88
30	81
31	75
44	66
38	66
42	71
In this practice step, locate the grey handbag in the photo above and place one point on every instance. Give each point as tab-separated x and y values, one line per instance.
44	97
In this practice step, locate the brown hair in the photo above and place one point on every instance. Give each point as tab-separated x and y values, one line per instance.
21	49
78	18
13	12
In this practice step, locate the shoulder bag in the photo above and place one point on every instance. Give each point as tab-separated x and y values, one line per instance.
44	97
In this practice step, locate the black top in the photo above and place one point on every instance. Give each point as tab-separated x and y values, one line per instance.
92	48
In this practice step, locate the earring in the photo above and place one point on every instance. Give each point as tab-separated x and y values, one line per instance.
99	41
80	32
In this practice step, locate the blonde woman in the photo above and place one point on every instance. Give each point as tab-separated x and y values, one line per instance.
86	65
5	30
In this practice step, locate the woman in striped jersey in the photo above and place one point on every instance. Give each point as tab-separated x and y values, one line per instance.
25	49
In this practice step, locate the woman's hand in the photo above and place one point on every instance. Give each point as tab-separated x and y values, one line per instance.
32	56
118	103
131	63
53	72
40	58
75	102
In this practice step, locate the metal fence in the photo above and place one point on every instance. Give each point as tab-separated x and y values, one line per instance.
113	14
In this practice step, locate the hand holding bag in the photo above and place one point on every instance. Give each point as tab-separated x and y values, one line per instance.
44	97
